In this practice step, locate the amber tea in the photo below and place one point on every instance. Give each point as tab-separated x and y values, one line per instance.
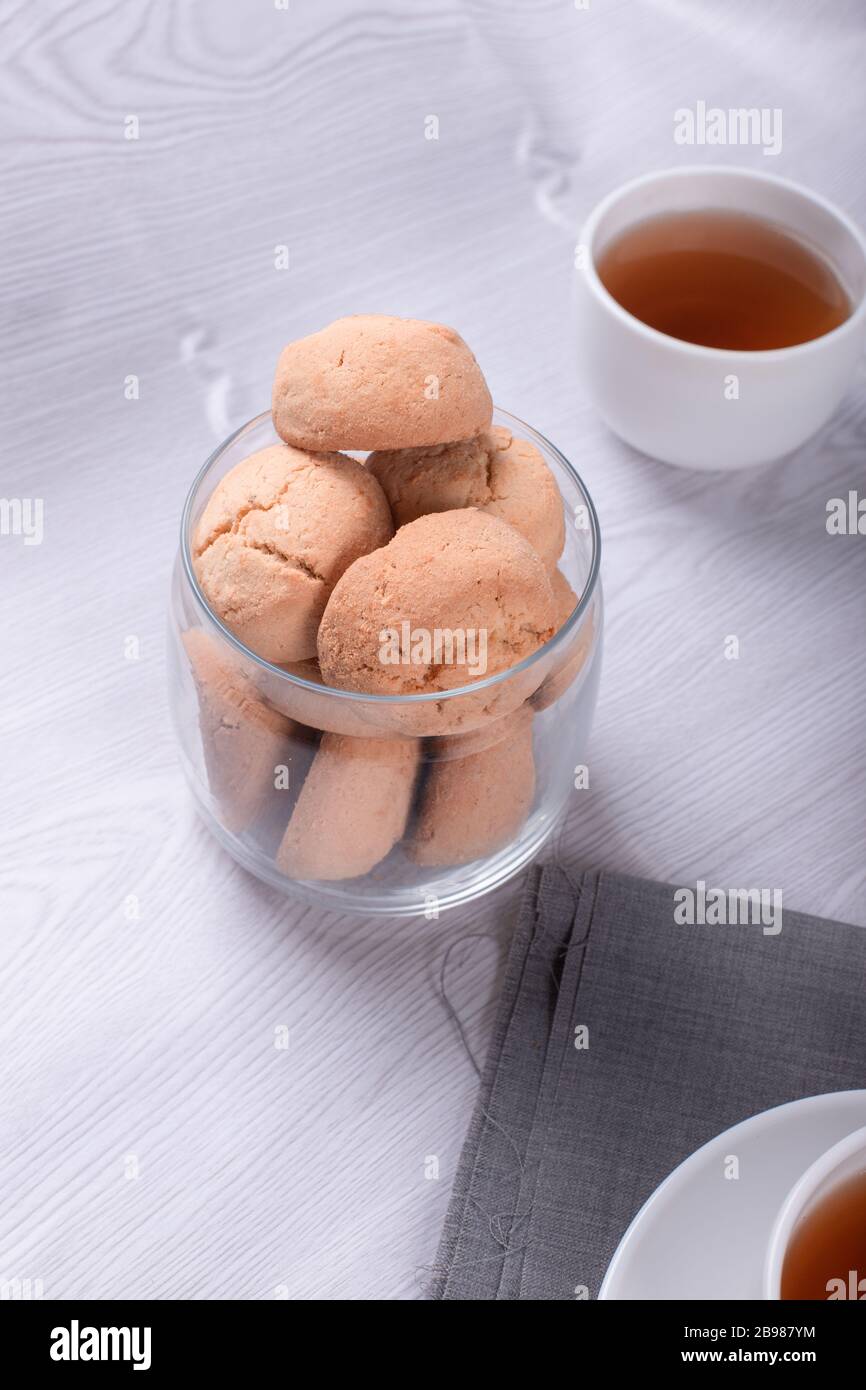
826	1254
724	280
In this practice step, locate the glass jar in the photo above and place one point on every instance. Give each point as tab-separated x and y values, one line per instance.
411	804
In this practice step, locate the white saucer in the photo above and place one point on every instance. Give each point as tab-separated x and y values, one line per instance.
702	1235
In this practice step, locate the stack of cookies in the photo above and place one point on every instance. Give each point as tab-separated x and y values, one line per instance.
425	568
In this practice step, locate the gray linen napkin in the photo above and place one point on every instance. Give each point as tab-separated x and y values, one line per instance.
690	1029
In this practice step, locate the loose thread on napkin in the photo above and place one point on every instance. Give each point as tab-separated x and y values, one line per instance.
449	1007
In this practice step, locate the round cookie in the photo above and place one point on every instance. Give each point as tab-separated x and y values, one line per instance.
375	382
278	531
474	804
244	740
495	471
455	597
352	808
571	660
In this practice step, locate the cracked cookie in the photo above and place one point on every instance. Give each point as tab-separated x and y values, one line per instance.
277	533
371	381
495	472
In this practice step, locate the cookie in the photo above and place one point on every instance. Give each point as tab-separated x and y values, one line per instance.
244	740
375	382
495	472
352	808
455	597
474	803
277	533
570	661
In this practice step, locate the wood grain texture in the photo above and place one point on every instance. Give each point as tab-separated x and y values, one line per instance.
301	1173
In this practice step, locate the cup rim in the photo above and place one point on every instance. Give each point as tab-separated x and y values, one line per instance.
796	1201
435	696
701	350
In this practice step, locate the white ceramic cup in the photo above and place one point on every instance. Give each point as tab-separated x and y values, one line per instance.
677	401
833	1167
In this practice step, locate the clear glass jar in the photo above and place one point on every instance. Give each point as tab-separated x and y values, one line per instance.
476	778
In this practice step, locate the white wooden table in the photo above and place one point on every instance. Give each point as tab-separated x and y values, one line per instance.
155	1141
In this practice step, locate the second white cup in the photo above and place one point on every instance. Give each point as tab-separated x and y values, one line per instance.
842	1161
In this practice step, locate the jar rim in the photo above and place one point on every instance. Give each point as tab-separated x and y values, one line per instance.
426	697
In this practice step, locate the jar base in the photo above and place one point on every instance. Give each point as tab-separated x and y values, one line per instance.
447	889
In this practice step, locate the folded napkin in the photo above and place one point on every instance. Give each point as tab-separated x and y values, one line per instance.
625	1039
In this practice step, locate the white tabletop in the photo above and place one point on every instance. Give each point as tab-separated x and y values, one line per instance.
155	1141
